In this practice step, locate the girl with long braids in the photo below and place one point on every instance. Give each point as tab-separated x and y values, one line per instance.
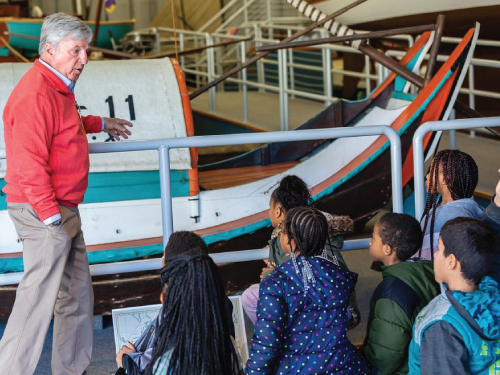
194	336
302	313
451	182
293	192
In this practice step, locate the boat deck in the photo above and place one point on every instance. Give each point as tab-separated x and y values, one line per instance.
220	179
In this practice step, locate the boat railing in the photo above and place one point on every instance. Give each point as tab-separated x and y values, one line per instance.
418	150
163	146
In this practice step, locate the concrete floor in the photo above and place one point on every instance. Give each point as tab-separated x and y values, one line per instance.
103	357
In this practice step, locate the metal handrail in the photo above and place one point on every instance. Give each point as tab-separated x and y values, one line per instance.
164	145
418	150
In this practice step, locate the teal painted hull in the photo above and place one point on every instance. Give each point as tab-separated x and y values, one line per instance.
125	186
118	30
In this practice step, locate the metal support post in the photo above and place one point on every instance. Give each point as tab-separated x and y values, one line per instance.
283	82
218	64
472	97
240	77
367	79
166	194
181	46
290	59
245	86
197	65
453	132
211	72
260	64
327	75
380	74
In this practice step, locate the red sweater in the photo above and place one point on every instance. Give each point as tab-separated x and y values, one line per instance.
47	149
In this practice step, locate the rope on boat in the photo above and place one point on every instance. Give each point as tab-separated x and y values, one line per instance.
333	26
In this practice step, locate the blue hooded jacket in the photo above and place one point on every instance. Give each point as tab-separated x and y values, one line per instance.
465	333
298	332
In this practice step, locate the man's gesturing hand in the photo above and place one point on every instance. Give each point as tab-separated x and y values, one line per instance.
117	127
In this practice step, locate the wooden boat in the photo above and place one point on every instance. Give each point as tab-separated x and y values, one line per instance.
347	176
33	27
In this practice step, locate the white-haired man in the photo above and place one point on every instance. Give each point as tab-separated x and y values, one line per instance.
47	175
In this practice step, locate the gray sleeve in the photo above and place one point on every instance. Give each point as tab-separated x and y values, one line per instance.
442	351
492	215
140	360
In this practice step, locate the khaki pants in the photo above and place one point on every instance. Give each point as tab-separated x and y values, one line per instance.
57	283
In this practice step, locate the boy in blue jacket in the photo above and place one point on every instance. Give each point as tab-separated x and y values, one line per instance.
459	331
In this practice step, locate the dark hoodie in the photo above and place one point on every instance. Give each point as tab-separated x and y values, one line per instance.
405	290
298	332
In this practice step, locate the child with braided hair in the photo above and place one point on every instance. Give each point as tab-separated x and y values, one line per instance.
194	336
302	312
133	358
451	182
293	192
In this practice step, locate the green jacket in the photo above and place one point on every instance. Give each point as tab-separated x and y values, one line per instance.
406	289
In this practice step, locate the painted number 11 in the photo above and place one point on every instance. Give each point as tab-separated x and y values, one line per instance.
129	100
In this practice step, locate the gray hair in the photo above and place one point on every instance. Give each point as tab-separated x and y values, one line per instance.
59	26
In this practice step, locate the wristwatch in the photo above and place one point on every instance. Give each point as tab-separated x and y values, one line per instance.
55	223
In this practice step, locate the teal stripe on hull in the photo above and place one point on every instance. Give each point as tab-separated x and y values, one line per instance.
400	82
126	186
